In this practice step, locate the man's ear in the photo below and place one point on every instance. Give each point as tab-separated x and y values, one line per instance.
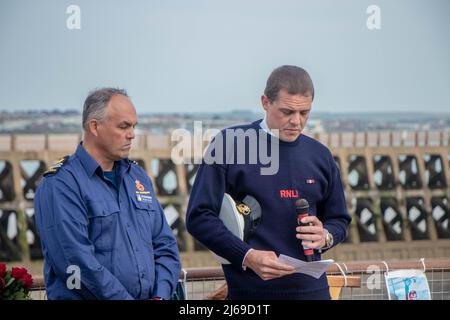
265	102
93	127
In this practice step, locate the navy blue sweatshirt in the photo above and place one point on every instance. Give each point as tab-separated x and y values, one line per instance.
306	170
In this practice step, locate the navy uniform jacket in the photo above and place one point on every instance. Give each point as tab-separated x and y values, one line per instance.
118	237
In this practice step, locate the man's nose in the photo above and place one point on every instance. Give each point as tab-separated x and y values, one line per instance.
131	134
296	118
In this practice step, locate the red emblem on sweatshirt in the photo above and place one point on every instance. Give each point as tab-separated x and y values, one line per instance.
288	193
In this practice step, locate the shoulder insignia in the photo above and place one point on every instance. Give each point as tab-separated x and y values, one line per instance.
56	166
137	163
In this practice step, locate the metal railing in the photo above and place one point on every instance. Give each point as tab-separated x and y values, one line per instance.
373	286
357	280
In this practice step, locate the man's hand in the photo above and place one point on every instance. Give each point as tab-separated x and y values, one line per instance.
266	265
312	236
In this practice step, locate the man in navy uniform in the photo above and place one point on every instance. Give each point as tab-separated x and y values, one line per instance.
306	170
98	217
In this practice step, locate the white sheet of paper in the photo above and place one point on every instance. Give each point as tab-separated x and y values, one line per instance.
314	269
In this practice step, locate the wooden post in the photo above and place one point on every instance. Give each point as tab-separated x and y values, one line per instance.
22	234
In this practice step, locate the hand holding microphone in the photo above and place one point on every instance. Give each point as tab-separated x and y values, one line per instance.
302	210
310	229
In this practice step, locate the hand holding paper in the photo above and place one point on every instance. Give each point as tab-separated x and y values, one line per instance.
314	269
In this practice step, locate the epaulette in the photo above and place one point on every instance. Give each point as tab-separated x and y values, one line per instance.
134	162
56	166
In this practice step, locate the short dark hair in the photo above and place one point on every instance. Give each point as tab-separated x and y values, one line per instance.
293	79
96	101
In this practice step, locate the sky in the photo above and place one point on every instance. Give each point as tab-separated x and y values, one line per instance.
214	56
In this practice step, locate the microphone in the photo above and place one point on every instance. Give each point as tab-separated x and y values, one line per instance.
302	209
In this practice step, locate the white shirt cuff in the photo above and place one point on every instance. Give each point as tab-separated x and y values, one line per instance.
245	267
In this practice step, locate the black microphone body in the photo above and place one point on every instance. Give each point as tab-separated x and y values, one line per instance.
302	210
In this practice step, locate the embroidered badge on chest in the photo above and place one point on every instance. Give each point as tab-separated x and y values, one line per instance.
139	186
141	194
144	198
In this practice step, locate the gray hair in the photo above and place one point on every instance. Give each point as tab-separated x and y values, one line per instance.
96	102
